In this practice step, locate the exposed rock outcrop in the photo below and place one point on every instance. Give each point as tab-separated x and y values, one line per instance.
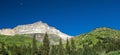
37	27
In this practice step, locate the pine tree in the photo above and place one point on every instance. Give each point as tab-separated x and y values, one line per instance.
46	45
40	50
53	50
34	46
60	48
73	47
67	48
3	49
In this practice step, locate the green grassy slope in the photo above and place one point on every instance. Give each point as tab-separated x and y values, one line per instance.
92	37
105	39
19	40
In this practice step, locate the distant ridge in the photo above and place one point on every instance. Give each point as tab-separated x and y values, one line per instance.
37	27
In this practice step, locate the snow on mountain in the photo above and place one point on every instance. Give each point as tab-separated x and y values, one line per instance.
37	27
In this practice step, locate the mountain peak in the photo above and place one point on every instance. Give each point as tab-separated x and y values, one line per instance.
37	27
39	22
103	29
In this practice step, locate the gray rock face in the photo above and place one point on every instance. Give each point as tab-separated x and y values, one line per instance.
37	27
7	32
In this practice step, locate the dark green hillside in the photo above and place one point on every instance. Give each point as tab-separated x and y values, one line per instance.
100	39
94	35
18	40
18	45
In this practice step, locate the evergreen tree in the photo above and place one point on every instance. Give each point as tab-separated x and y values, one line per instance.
60	48
40	50
73	47
34	46
3	49
67	48
46	45
53	50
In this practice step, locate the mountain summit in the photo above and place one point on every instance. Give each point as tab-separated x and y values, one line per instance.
37	27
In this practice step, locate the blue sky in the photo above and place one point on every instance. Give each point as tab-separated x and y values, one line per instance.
70	16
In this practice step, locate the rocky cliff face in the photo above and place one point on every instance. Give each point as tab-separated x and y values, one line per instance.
7	32
37	27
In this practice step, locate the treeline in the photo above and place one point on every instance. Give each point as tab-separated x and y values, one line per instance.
33	49
103	47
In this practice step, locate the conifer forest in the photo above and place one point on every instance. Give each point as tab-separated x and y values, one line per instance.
97	42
